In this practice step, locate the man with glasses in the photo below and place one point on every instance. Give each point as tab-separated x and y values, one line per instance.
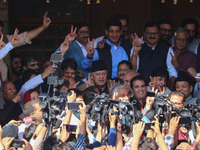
78	45
183	60
152	53
177	99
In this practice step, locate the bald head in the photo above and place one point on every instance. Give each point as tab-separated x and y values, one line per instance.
128	76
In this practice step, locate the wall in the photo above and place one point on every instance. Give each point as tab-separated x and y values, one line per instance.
4	15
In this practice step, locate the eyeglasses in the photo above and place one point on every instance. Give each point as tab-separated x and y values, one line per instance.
175	103
152	33
181	40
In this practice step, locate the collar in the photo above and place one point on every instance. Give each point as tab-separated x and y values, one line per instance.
153	48
113	45
80	44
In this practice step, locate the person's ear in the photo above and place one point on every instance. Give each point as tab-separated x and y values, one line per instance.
32	114
191	88
24	67
106	31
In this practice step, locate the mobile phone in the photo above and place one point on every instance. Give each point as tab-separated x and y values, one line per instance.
73	105
148	126
71	128
17	143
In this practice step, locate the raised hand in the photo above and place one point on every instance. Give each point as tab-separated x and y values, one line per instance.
90	49
76	84
149	102
100	44
136	43
27	145
173	125
64	46
156	127
7	141
112	83
112	119
152	83
47	72
174	60
2	44
46	20
17	98
72	35
89	81
71	97
15	38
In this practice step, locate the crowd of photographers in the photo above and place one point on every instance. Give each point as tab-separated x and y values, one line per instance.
98	98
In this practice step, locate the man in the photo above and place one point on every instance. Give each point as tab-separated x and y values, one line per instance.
125	22
184	84
177	99
121	92
142	101
152	53
190	25
114	50
159	78
16	66
123	67
139	89
99	76
30	63
32	109
128	76
184	60
77	49
69	68
165	30
11	110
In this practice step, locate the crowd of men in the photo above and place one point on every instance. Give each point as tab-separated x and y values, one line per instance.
156	74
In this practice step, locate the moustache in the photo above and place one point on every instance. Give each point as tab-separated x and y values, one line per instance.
121	75
152	38
86	37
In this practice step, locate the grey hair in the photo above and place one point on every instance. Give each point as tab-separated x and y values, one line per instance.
119	86
29	107
181	29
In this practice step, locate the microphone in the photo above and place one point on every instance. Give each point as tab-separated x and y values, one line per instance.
59	121
27	120
149	116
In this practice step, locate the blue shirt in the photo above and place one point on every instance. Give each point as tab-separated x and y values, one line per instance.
118	54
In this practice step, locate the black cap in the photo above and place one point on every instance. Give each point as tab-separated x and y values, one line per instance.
98	65
184	76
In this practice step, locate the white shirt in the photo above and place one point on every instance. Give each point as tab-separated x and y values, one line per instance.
30	84
84	51
3	52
